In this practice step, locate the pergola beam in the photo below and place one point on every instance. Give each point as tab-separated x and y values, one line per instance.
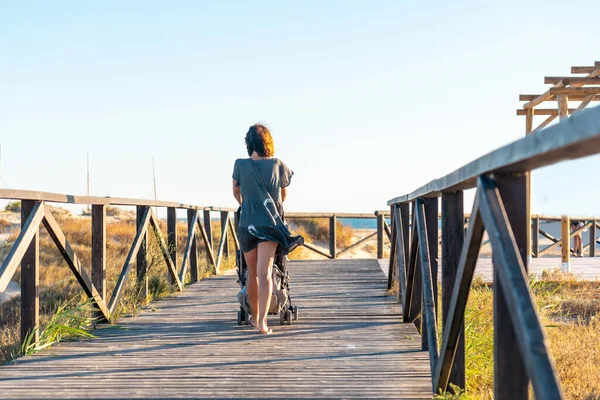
570	80
545	111
584	70
529	97
581	91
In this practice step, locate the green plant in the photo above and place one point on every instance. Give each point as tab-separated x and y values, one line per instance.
71	320
13	206
456	393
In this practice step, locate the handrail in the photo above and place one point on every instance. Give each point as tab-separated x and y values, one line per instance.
36	212
501	207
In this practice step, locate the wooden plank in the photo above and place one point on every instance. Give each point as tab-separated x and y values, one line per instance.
29	230
563	106
400	256
192	219
387	229
30	277
584	70
565	225
352	246
528	97
234	233
529	120
569	80
526	353
413	281
392	265
429	319
172	234
314	248
545	111
458	302
404	222
431	221
171	268
593	236
587	100
576	137
575	91
220	249
99	254
206	239
535	235
63	245
142	228
141	262
452	244
333	236
380	236
192	252
224	224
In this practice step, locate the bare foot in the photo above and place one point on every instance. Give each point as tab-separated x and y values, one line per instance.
264	329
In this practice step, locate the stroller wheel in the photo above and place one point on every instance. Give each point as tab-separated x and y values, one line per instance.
289	317
295	313
240	317
281	317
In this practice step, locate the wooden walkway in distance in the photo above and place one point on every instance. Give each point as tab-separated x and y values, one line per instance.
348	343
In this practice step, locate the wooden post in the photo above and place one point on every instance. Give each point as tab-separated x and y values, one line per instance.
224	219
510	376
379	235
563	106
172	236
452	242
208	229
535	234
193	249
431	221
99	253
404	210
30	280
332	236
417	288
593	238
142	256
565	232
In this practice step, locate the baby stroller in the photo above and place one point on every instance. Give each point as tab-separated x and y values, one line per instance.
281	301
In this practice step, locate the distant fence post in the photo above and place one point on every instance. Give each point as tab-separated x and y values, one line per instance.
535	234
453	236
380	235
593	238
99	252
332	236
142	256
565	243
30	280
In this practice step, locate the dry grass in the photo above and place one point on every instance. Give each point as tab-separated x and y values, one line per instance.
58	285
569	310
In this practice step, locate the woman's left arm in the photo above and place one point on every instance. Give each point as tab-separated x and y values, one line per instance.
236	192
284	194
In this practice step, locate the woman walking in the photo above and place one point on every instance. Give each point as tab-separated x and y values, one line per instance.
260	187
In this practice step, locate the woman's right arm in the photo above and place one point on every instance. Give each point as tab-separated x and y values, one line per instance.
236	192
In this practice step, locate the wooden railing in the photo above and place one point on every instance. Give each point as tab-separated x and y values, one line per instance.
36	212
501	207
382	227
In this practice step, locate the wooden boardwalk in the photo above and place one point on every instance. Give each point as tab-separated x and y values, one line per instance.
348	343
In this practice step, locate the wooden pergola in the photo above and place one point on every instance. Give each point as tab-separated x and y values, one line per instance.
565	89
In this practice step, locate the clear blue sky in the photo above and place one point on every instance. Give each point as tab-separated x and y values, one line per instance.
366	99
